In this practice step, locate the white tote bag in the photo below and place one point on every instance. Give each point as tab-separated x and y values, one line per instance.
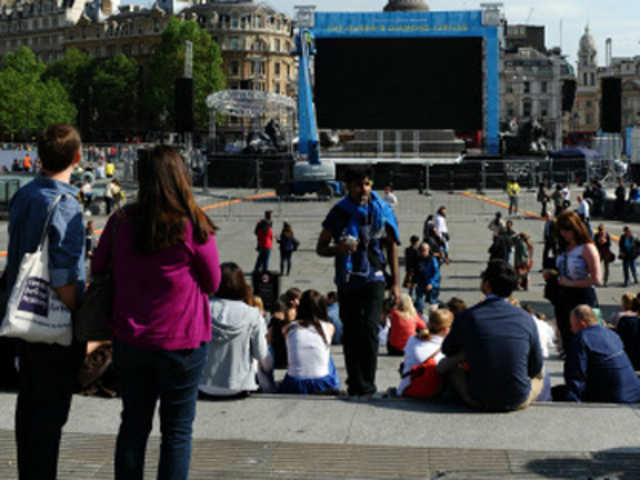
35	313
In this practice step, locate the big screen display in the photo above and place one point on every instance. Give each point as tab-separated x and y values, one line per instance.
408	83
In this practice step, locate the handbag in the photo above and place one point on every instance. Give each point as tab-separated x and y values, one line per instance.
425	379
35	312
93	315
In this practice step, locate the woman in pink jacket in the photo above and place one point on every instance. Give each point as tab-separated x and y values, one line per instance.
165	266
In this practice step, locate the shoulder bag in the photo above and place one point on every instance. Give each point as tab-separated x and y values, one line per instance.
35	312
92	317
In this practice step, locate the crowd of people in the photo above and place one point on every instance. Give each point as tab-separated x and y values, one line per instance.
187	326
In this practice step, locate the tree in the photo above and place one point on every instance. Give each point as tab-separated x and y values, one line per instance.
27	103
75	72
167	64
115	93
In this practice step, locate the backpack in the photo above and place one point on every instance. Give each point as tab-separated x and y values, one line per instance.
425	379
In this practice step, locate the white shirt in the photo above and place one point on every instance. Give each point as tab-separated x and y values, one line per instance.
546	334
86	188
383	332
566	195
391	199
417	351
583	209
441	225
307	352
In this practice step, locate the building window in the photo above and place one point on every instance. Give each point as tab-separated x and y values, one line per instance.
588	104
259	22
526	108
277	45
509	88
585	79
276	69
276	87
544	109
235	67
588	118
235	23
593	79
235	45
510	110
527	87
543	87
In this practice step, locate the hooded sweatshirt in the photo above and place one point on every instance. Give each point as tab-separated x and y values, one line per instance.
238	338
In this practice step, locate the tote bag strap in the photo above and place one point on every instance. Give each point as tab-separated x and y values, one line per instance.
45	229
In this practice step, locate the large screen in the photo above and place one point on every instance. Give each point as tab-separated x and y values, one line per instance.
409	83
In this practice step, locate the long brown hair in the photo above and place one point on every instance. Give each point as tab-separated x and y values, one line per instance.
571	221
313	309
165	202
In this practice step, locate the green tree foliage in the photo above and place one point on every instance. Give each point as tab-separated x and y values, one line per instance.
28	103
167	64
115	94
75	72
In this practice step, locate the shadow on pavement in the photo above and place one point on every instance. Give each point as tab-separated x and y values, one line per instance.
615	464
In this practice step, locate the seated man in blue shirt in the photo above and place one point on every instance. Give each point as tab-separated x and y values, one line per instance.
48	372
499	343
597	369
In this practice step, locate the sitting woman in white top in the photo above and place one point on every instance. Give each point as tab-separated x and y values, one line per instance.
310	366
238	342
421	355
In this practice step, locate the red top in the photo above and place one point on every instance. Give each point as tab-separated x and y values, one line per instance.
264	232
403	328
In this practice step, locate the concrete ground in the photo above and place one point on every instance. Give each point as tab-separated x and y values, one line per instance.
291	437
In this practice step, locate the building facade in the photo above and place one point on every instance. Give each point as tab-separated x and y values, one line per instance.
586	113
41	25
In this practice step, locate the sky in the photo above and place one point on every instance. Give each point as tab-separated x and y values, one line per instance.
618	19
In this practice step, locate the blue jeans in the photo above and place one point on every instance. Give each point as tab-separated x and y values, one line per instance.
426	297
629	265
262	262
47	379
146	376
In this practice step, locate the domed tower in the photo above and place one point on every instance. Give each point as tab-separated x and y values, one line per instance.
406	6
587	60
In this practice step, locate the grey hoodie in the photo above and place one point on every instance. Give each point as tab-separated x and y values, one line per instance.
238	337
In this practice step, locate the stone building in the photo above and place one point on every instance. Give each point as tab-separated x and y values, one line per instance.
586	113
40	24
254	38
631	102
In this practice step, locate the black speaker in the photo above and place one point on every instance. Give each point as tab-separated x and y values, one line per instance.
611	105
634	172
568	95
184	105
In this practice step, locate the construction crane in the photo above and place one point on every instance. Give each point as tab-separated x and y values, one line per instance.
529	16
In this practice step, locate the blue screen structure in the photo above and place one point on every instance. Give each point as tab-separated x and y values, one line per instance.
399	83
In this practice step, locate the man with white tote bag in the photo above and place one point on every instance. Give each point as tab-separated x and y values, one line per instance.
47	370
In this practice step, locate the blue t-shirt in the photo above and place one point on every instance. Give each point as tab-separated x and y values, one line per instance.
597	369
28	211
368	260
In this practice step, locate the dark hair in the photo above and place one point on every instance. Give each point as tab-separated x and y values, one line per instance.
501	277
357	174
441	209
290	295
313	309
456	305
414	238
165	202
278	307
233	285
58	146
286	229
332	295
571	221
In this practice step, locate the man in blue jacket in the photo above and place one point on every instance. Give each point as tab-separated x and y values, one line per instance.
494	356
597	369
427	278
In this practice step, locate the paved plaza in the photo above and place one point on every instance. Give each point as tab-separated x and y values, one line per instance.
294	437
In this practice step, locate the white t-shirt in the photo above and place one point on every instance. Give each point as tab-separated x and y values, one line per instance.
546	334
566	194
86	188
441	225
583	209
417	351
307	352
391	199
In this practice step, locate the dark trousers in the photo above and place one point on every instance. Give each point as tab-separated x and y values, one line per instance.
513	204
108	202
285	259
361	311
544	209
47	380
262	262
569	298
147	376
548	247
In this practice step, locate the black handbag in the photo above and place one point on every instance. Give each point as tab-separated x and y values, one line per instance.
91	320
